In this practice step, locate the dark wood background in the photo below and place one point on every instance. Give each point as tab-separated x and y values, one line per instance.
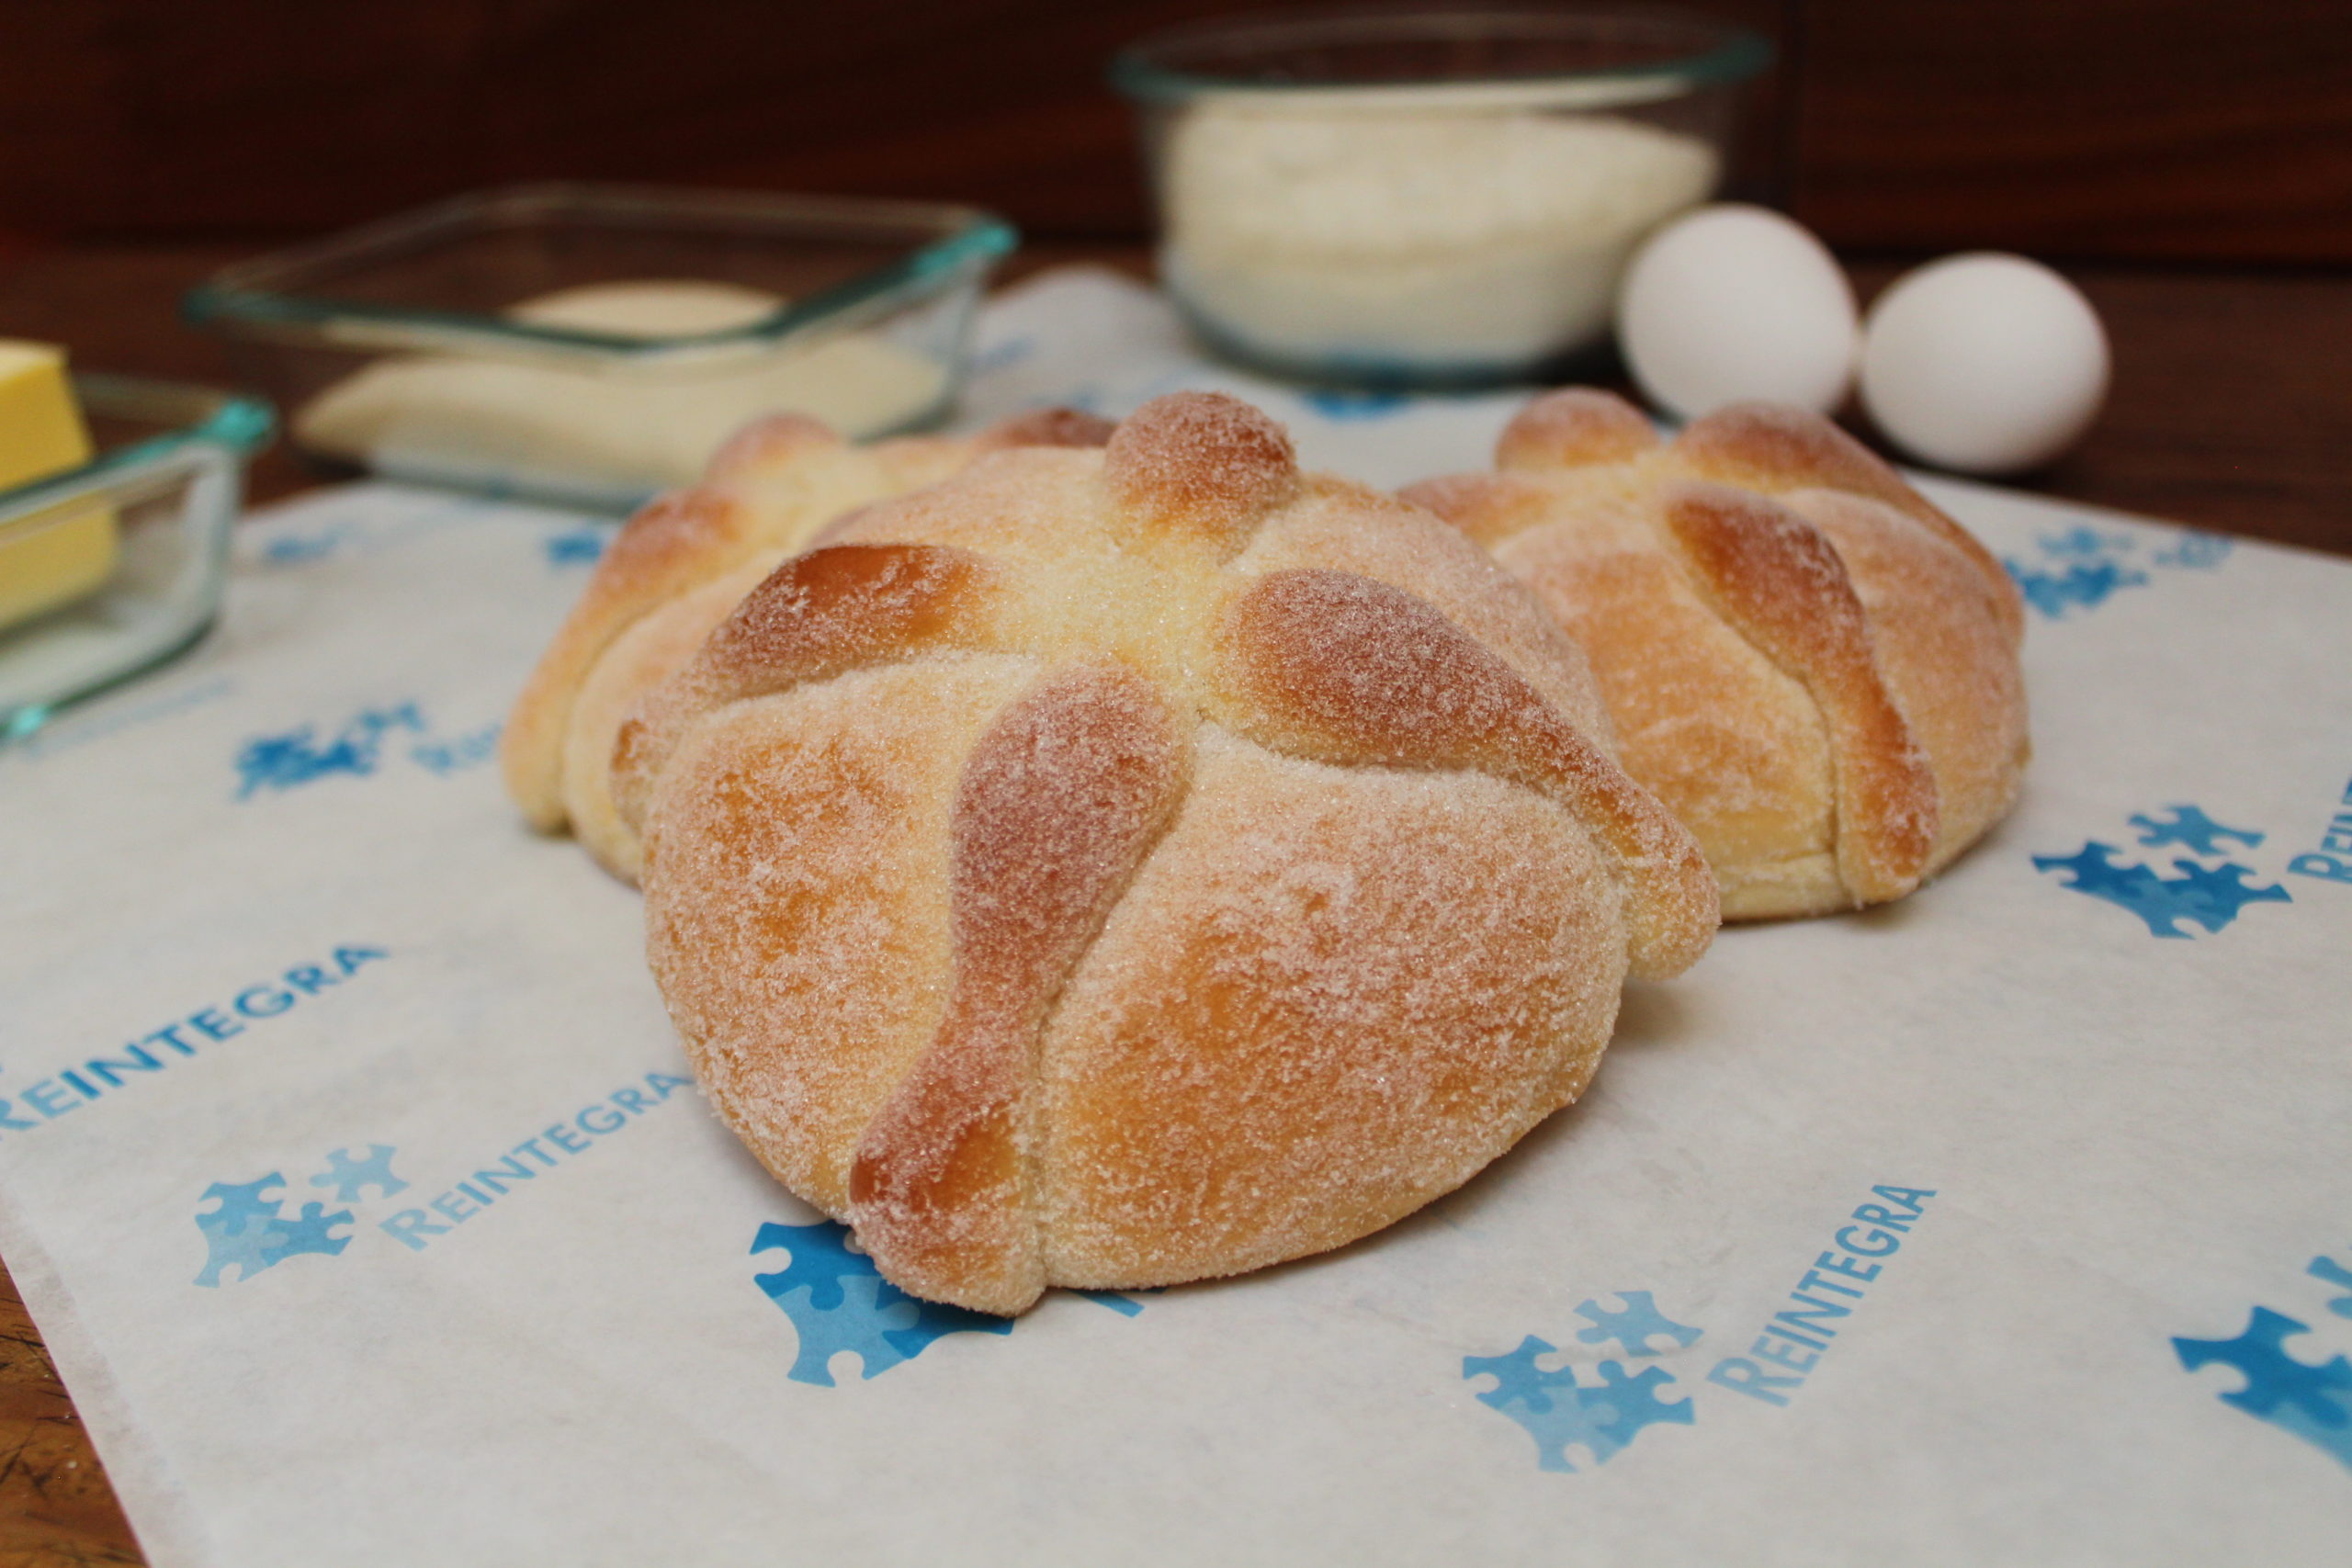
2188	162
2180	131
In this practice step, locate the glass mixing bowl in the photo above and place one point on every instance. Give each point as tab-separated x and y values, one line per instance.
1418	197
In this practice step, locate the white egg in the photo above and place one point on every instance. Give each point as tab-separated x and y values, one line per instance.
1731	302
1985	364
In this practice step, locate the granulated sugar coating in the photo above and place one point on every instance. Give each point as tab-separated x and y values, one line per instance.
1334	994
1119	868
1811	665
677	569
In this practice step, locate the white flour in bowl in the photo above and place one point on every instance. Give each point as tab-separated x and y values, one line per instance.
610	431
1449	238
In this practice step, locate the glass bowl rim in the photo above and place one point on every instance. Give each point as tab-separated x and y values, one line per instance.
238	299
239	422
1734	54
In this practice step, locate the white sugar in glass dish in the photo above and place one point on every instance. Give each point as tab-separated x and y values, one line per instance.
435	415
1425	198
593	344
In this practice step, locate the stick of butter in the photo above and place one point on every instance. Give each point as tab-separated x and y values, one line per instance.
54	557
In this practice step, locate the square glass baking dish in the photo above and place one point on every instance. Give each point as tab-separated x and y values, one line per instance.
152	513
592	345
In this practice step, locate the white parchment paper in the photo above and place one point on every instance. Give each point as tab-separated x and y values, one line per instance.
346	1162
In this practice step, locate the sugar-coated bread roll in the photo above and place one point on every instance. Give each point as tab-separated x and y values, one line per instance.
678	566
1118	868
1811	665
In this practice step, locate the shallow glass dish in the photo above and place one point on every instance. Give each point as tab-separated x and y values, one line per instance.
1424	197
592	345
160	497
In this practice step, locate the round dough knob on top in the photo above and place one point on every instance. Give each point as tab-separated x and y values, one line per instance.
1114	868
1813	667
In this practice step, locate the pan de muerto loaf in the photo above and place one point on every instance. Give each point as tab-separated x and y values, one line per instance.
1814	668
678	566
1117	868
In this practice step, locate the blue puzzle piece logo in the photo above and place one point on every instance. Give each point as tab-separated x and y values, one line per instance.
2334	1273
295	550
1561	1413
242	1205
2306	1399
311	1232
2081	568
2190	828
1349	405
1634	1326
818	1258
471	750
2196	551
248	1252
837	1300
246	1231
2083	543
577	546
2082	584
351	1176
237	1233
2208	896
297	757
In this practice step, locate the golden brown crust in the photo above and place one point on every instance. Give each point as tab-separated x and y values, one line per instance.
1406	1008
836	531
1194	464
1772	448
646	653
1748	769
797	900
816	616
661	552
1779	584
1339	668
1046	427
1484	508
1798	749
768	444
1351	528
1573	428
774	489
1944	653
1332	995
1057	805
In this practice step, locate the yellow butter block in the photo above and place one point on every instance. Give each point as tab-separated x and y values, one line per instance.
51	557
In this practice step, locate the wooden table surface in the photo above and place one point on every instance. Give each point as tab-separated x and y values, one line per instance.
2231	409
